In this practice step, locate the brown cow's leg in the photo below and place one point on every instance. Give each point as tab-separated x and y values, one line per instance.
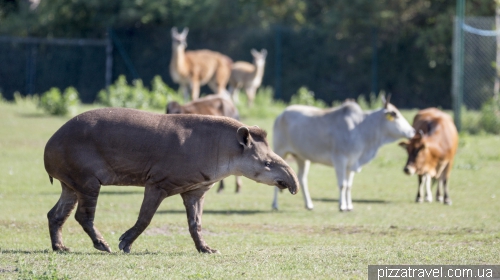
153	196
428	183
447	199
59	214
439	190
85	214
193	201
420	189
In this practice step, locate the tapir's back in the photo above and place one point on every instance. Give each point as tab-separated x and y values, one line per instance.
125	146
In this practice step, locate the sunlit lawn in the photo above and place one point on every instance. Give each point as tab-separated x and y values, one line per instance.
386	226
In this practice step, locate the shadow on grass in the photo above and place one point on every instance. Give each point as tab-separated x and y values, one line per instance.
217	212
115	253
102	193
366	201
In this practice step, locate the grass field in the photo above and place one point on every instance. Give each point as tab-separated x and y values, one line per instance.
386	226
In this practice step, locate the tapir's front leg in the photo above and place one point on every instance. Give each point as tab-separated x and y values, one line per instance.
153	196
193	201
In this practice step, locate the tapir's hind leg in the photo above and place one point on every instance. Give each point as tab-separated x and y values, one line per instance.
153	196
85	213
59	214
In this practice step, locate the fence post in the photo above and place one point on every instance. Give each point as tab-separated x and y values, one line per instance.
31	68
109	59
458	65
374	61
278	60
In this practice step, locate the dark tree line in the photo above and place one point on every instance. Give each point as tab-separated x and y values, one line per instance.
338	48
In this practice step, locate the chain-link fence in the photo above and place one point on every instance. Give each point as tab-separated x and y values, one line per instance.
332	64
479	62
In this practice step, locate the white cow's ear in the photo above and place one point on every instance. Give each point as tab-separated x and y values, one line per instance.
244	137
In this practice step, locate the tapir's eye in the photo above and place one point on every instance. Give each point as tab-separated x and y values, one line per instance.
267	163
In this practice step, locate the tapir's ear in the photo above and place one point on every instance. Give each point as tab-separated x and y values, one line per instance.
244	137
403	144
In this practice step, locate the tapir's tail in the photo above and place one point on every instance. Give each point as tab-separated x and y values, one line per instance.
51	180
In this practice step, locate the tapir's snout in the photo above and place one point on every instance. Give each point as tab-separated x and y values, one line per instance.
288	181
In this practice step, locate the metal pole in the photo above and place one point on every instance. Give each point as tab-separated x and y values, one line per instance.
374	61
109	60
31	69
458	65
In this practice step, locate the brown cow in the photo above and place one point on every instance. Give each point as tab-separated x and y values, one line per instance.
212	105
431	152
166	154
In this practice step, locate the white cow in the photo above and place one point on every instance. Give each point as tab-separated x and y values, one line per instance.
344	137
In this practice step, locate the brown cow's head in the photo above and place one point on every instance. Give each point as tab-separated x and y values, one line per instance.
174	107
259	163
420	154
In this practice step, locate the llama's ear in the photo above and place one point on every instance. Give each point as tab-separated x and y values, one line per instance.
254	52
173	31
185	32
263	52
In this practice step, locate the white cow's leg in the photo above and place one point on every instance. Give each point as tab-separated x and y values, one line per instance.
302	174
350	178
428	183
275	200
340	171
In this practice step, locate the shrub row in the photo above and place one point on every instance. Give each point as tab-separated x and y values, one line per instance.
136	95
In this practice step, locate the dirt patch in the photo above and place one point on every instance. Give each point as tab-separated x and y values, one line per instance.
8	269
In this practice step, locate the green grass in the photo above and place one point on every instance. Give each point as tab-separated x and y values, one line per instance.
386	226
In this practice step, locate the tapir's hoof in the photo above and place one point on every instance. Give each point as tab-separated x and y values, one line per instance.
60	248
208	250
102	245
125	246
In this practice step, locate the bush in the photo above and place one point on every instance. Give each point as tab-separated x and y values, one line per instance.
490	116
55	103
161	94
264	104
373	102
121	94
29	100
306	97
